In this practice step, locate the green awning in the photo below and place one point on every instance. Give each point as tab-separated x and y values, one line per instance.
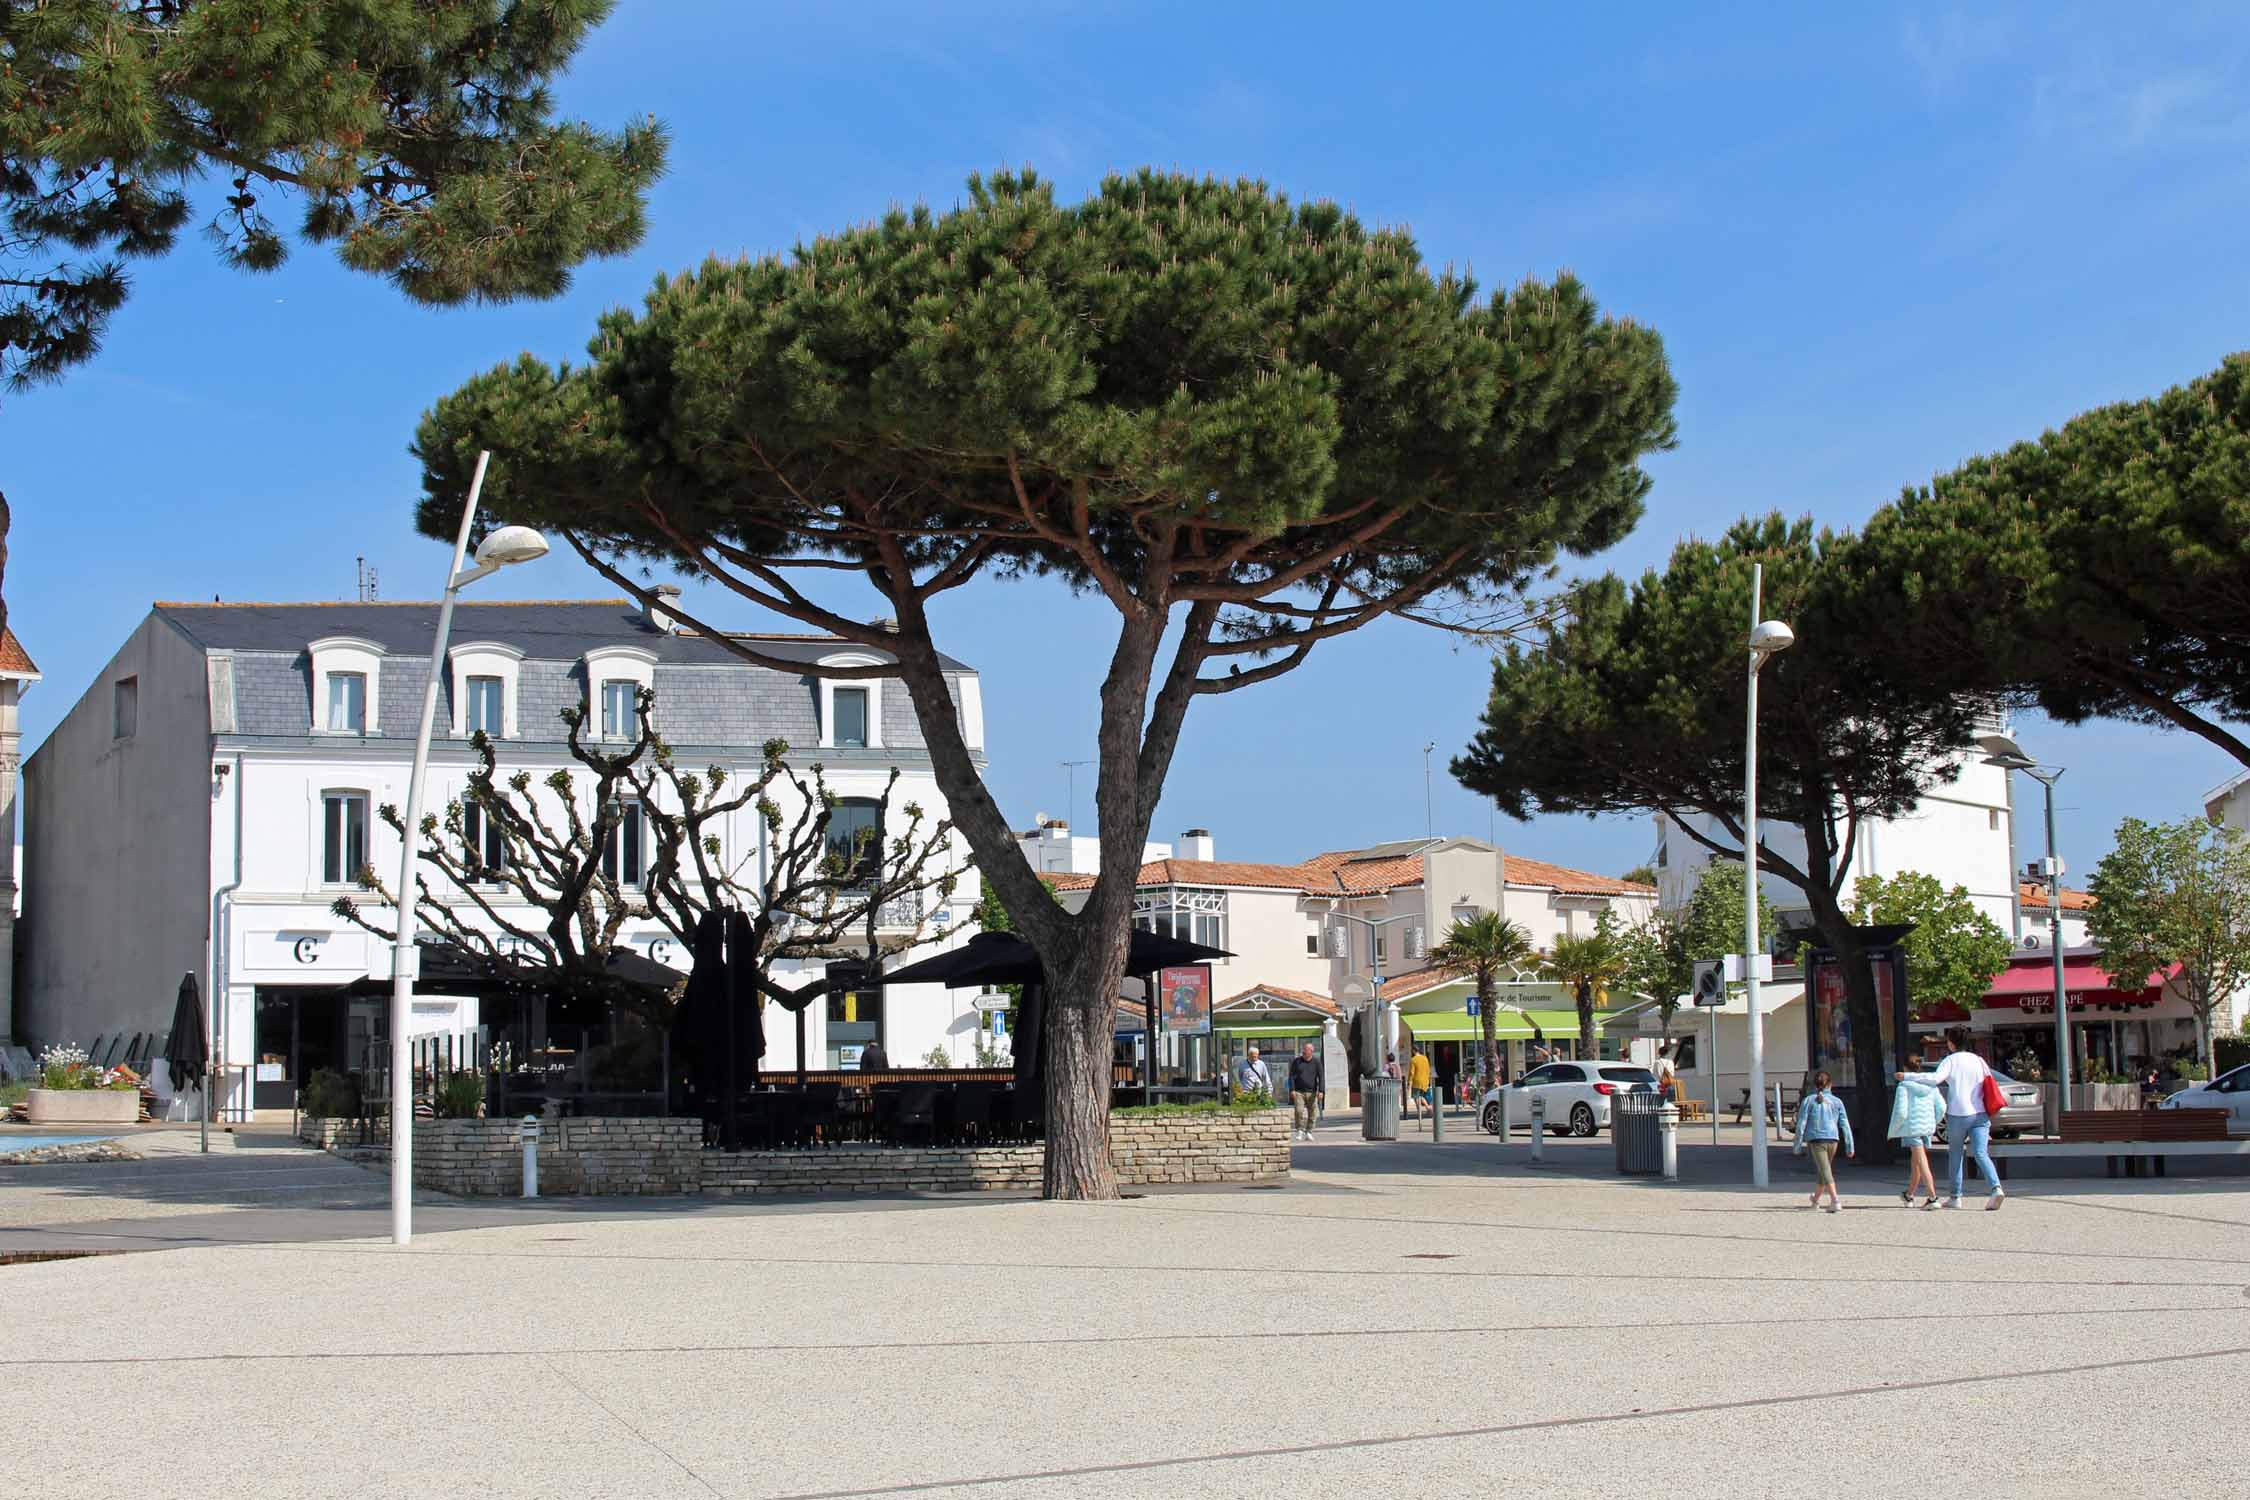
1508	1025
1278	1028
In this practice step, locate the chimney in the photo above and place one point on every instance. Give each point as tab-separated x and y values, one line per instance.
1196	843
1056	828
654	611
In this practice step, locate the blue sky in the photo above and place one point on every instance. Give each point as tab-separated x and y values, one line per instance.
1876	241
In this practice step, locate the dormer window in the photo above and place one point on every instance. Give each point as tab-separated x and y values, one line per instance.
347	685
851	712
484	689
615	676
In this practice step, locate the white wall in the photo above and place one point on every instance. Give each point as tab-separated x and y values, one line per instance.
116	908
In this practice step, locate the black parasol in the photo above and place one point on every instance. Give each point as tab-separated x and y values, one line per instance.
188	1053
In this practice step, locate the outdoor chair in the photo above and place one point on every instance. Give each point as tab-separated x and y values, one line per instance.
917	1113
883	1117
822	1114
965	1112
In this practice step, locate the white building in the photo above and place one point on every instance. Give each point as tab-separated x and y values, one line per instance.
1328	926
17	674
213	793
1962	832
1053	849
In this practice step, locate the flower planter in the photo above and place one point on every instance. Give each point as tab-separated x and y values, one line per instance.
2105	1096
85	1106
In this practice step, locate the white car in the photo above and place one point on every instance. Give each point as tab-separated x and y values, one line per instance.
2229	1091
1577	1095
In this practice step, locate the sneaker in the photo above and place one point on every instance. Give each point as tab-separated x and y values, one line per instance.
1929	1203
1906	1198
1836	1208
1992	1204
1952	1203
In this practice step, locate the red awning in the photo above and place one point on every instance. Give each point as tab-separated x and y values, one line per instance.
2029	984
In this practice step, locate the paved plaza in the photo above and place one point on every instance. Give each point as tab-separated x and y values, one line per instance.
1400	1319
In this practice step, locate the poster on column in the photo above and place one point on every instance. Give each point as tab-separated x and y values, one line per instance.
1832	1040
1187	1000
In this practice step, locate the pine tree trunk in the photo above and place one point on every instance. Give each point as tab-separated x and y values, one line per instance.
1081	1027
1871	1066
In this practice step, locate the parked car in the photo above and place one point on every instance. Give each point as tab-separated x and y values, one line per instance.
1577	1095
2026	1108
2229	1091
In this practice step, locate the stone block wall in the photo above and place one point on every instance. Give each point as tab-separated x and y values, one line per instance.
1146	1151
608	1157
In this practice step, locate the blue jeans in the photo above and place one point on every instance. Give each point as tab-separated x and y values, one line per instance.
1973	1132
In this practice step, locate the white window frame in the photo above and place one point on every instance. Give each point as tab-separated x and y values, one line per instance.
320	838
631	815
615	664
479	834
837	693
874	686
1202	913
336	654
485	659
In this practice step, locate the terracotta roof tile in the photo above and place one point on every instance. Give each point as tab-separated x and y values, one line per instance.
14	660
1306	998
1571	882
1321	875
2034	893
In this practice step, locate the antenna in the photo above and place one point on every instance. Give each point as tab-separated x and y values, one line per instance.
368	582
1070	807
1429	818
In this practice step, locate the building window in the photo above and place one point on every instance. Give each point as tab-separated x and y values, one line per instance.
347	703
1194	916
851	718
343	842
855	838
486	843
1312	945
624	855
125	705
855	1019
1375	944
487	698
620	710
1992	820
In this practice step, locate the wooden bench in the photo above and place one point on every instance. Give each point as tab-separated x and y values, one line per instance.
2130	1137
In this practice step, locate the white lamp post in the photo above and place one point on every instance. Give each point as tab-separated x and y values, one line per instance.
1766	638
508	545
2002	751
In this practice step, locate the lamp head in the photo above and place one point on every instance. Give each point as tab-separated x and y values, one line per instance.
1771	636
2001	750
510	545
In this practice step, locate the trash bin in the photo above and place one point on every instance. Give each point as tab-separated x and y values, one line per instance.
1635	1127
1378	1108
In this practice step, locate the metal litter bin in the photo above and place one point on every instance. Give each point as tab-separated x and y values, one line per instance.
1378	1108
1636	1128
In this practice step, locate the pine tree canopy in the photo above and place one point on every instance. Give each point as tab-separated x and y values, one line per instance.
1180	390
2099	571
417	135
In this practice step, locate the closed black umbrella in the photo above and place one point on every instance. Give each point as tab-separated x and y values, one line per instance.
188	1053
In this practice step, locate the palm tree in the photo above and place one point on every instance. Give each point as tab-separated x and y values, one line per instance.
1485	944
1588	963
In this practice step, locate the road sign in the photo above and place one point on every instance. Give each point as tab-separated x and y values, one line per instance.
1474	1006
1710	982
993	1002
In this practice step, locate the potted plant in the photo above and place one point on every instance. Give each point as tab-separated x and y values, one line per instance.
72	1091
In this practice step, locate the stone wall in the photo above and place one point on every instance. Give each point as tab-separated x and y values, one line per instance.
328	1135
1152	1150
609	1157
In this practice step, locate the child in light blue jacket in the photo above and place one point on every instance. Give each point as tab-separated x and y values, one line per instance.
1916	1108
1822	1126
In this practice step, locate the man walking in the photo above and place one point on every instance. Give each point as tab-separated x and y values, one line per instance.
1304	1090
1252	1076
1418	1080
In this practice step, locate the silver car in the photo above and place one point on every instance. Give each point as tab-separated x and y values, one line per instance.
2025	1110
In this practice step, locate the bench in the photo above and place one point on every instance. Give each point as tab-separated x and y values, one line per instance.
1789	1097
2129	1137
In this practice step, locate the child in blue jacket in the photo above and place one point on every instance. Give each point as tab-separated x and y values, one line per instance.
1915	1111
1822	1125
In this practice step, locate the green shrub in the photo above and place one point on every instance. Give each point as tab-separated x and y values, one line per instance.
1242	1104
2230	1051
327	1095
458	1097
937	1058
2192	1071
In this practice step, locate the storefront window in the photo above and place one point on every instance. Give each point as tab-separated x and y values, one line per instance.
855	1018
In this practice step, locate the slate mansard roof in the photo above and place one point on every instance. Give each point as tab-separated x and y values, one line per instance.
705	694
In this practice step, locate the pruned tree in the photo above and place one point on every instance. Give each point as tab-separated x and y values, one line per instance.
1245	425
1635	704
1954	951
1485	944
2176	894
2098	572
526	873
418	137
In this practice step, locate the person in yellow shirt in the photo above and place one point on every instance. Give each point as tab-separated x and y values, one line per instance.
1418	1080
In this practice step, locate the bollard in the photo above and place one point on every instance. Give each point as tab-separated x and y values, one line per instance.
1668	1123
531	1156
1437	1116
1538	1128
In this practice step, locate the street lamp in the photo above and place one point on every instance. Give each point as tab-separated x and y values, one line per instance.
504	548
2001	750
1767	637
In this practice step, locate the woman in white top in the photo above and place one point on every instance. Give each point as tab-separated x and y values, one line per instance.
1960	1078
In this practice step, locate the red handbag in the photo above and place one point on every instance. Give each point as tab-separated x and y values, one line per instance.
1991	1098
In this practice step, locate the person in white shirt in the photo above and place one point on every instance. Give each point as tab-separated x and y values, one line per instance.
1960	1078
1667	1076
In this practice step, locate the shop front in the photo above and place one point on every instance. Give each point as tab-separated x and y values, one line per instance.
2115	1029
